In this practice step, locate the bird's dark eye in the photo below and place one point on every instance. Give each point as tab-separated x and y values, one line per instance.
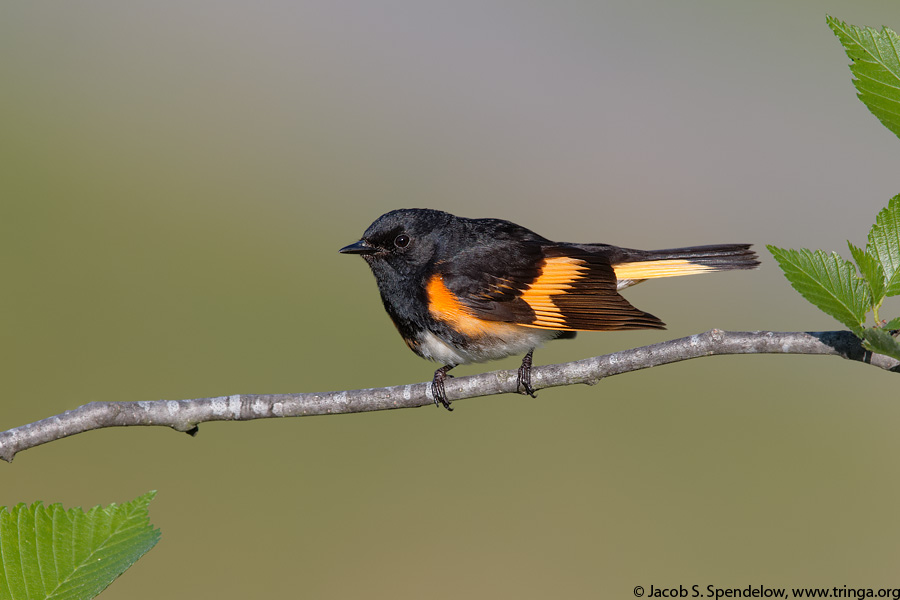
401	241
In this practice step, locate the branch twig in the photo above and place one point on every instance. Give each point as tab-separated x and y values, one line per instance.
185	415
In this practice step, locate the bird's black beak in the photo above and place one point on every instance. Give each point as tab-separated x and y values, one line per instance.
360	247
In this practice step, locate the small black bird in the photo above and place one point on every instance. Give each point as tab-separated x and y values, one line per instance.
470	290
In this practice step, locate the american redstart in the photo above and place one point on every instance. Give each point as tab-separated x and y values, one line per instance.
470	290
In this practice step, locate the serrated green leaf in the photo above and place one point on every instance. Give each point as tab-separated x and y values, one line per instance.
880	341
884	244
871	270
829	282
50	552
876	68
892	324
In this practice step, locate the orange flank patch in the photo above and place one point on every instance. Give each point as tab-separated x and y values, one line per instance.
445	306
557	275
659	268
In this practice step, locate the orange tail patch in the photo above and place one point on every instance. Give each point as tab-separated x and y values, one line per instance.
659	268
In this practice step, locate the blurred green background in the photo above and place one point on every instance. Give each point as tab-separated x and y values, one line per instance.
176	179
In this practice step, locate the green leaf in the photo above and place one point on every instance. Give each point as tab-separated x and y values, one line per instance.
884	244
892	324
871	270
829	282
880	341
876	68
50	552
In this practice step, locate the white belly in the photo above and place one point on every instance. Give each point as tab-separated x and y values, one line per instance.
516	340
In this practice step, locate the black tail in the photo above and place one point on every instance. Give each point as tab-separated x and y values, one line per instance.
648	264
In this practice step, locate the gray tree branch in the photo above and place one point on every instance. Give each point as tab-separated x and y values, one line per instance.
186	415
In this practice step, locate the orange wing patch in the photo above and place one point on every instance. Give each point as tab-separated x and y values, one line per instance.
557	275
659	268
445	306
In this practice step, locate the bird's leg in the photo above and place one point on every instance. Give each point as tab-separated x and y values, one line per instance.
523	378
437	386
